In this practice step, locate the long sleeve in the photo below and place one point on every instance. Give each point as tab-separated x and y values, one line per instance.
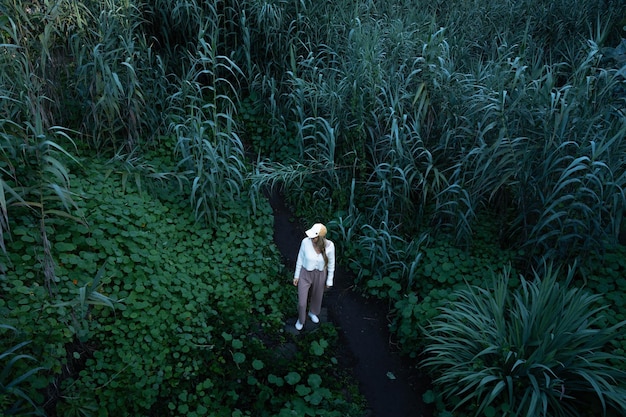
311	260
330	252
299	260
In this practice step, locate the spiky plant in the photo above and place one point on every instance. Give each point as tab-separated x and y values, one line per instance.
15	398
540	350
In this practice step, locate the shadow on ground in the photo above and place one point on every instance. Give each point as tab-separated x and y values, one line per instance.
390	387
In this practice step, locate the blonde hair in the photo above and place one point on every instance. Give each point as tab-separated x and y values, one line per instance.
321	246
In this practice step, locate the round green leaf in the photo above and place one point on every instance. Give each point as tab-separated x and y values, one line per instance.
314	380
273	379
293	378
303	390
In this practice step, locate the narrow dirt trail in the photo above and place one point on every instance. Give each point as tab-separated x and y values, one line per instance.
389	388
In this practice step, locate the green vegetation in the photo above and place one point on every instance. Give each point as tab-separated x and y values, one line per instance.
534	351
152	311
444	144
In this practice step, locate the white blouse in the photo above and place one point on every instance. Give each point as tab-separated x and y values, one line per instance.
311	260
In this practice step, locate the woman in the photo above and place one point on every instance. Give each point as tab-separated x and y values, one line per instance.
315	267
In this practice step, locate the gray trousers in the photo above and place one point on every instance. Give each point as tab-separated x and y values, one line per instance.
313	281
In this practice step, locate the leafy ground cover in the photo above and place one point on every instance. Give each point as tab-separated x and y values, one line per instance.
152	313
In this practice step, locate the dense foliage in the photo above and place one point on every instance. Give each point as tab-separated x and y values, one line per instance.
440	142
535	351
152	311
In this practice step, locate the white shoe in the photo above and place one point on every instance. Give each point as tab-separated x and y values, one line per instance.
314	318
299	325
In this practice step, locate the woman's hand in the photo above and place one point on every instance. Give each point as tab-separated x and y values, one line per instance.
295	282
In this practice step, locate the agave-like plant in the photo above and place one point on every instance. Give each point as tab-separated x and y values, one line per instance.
540	350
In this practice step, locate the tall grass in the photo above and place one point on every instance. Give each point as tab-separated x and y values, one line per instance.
570	196
35	181
446	112
211	153
130	72
477	29
439	111
120	81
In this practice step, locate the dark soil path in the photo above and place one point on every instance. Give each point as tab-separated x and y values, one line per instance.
390	388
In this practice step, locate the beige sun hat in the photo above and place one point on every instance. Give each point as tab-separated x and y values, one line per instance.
318	229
